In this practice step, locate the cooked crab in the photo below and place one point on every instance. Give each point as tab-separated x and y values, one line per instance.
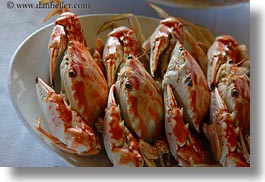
70	115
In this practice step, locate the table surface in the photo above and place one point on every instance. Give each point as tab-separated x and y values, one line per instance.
17	146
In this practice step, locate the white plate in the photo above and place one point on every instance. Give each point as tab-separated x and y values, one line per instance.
31	60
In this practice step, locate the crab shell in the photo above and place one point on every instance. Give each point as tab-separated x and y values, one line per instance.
140	100
83	83
189	85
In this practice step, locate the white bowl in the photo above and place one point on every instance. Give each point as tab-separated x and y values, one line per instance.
31	60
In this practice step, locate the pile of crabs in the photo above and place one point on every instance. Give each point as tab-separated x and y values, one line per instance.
179	98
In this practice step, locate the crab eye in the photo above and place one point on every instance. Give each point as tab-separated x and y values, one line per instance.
234	93
211	88
72	73
128	86
231	61
130	57
188	81
70	44
181	48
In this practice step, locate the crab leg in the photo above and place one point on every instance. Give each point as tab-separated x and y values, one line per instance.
54	11
151	153
133	24
121	147
69	131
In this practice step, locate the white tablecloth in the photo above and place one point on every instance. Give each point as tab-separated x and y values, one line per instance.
17	147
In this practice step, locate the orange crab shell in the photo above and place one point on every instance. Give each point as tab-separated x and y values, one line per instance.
189	85
83	82
140	100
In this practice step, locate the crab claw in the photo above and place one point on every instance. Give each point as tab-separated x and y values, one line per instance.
176	130
67	28
184	146
73	26
121	147
157	47
225	48
69	131
215	61
57	46
225	120
121	44
222	134
169	28
112	58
